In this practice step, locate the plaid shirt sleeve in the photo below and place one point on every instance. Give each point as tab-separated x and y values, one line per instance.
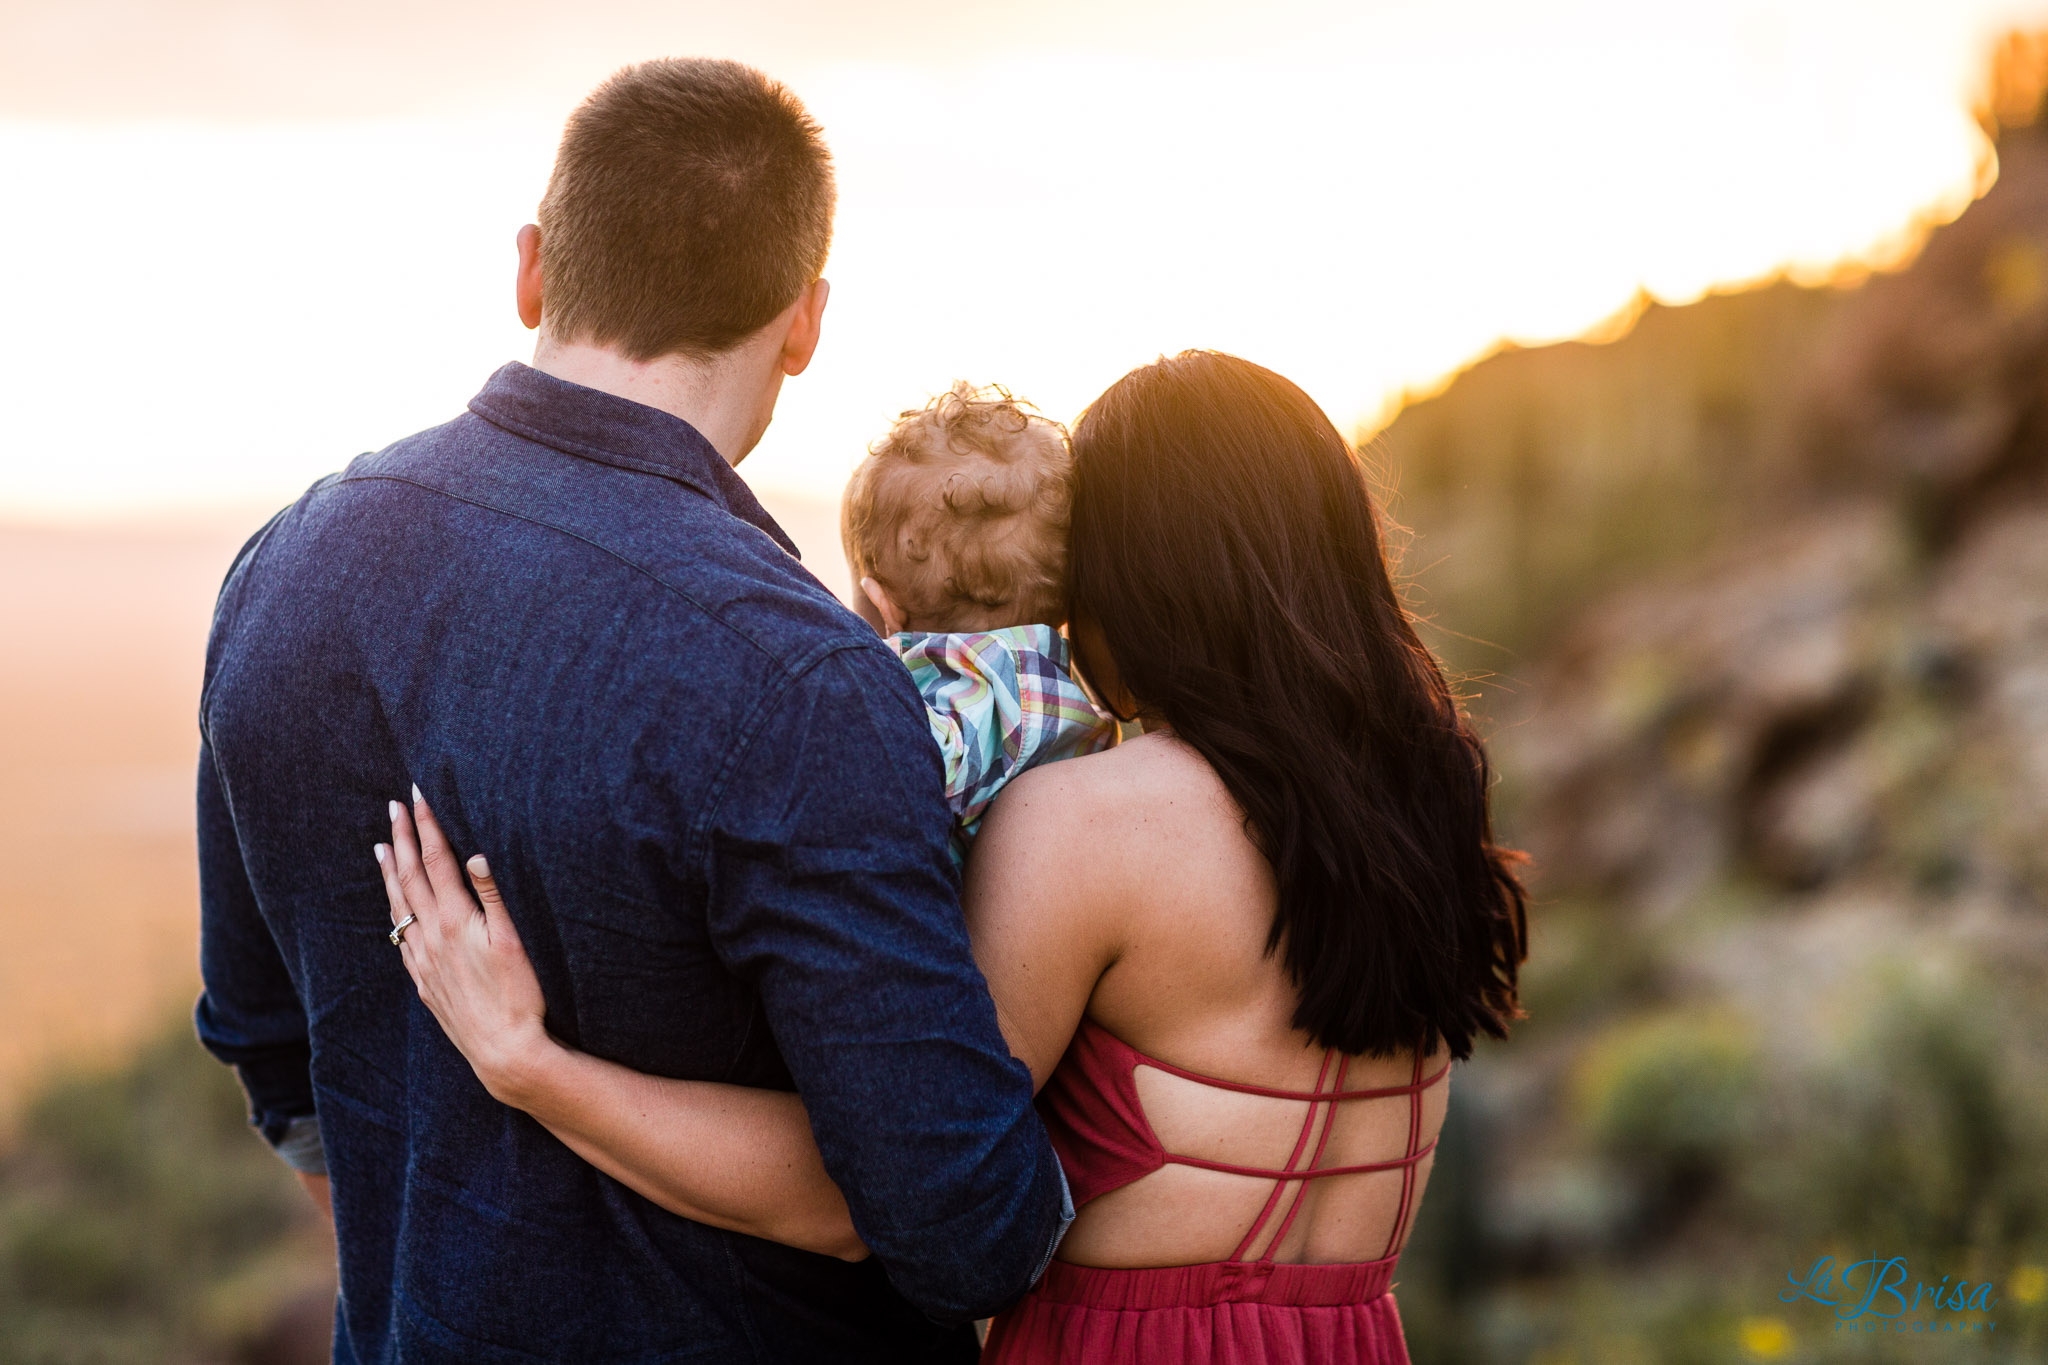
1000	701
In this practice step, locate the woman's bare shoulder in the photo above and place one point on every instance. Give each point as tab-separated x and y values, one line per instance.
1152	792
1139	859
1133	776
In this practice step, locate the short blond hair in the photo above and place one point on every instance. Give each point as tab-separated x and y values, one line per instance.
960	513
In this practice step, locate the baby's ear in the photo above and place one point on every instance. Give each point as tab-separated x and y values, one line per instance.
864	607
885	607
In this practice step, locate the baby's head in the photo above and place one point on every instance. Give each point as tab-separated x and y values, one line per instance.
959	516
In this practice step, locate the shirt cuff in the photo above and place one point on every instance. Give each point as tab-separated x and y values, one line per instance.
300	1148
1066	1221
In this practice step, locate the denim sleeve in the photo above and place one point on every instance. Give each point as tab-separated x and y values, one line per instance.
832	891
249	1014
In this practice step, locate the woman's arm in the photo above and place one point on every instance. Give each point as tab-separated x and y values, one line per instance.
1040	898
1044	896
727	1155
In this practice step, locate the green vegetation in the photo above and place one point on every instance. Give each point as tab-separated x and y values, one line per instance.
1671	1098
141	1221
1641	1186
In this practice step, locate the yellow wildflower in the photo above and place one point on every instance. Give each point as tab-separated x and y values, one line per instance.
1765	1338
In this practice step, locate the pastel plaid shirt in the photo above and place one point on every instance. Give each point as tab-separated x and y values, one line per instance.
999	701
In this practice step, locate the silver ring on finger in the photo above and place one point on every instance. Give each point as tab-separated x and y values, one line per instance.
397	934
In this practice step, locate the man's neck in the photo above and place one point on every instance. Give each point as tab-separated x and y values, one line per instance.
725	398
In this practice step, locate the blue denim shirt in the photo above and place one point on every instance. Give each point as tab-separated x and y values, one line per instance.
712	799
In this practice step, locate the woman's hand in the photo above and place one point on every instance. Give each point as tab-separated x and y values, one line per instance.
465	958
722	1154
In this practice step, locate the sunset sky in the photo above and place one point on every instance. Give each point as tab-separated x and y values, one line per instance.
245	241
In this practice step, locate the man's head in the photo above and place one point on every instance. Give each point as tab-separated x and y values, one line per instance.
957	519
691	202
681	244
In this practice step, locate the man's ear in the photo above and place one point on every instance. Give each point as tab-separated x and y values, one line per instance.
526	287
807	320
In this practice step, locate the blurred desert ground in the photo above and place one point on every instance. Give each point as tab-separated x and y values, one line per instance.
1752	598
106	630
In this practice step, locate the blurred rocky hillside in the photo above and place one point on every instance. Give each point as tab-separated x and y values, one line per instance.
1755	601
1764	583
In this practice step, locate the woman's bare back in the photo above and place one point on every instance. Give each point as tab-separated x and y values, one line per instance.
1170	879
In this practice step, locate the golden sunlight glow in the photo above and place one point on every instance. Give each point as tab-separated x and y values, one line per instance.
214	313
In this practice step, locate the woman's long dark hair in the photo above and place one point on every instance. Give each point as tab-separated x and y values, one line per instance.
1226	545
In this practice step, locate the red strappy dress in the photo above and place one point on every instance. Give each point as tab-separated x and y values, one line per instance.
1234	1312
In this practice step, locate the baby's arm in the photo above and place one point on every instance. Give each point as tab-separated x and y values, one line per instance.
963	747
999	702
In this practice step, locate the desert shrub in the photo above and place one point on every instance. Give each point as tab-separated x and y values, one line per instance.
131	1202
1672	1099
1670	1087
1912	1131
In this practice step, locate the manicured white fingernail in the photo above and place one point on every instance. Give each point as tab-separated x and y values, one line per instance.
381	853
417	798
479	866
394	812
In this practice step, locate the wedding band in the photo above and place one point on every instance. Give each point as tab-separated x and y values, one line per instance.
397	934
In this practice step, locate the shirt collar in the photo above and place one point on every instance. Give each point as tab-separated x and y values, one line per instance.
618	431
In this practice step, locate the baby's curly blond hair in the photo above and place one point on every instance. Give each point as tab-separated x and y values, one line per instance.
960	513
